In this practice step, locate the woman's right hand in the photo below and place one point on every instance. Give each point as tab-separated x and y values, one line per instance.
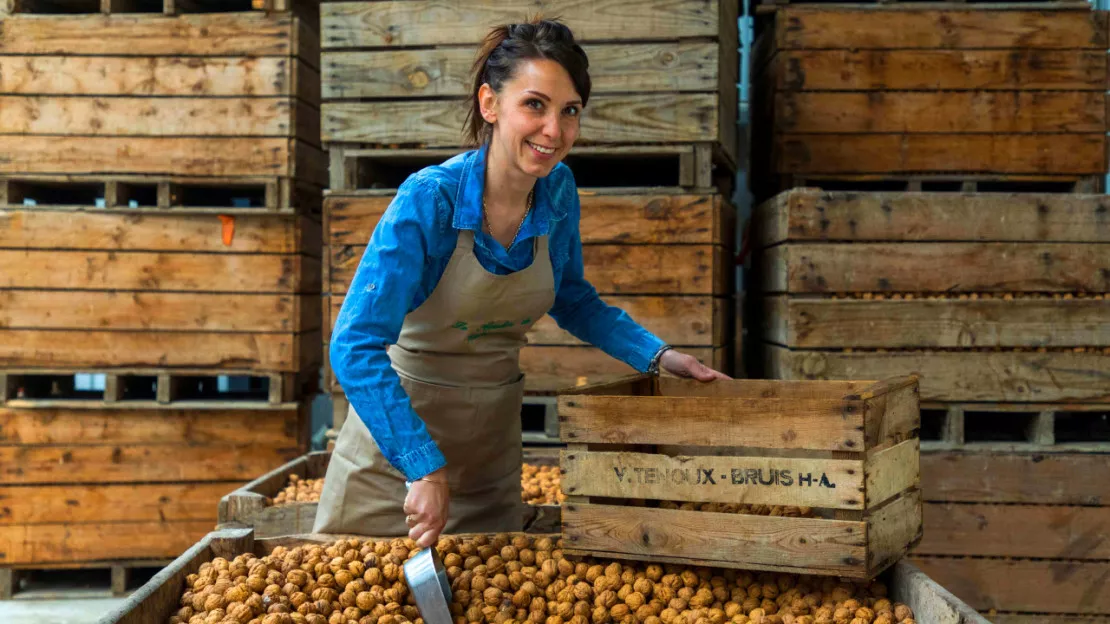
426	507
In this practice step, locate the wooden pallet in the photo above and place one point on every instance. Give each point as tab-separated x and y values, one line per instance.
1075	427
159	7
940	183
769	6
59	582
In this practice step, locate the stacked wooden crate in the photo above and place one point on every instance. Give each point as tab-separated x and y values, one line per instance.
963	98
654	161
159	309
1001	302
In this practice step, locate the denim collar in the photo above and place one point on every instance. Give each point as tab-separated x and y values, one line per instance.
468	201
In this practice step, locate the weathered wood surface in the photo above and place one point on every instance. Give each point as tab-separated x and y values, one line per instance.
400	23
1032	478
929	601
952	267
637	118
1037	586
814	215
941	112
964	153
1035	531
1046	618
616	216
612	269
445	72
892	529
247	506
961	376
65	543
160	271
942	69
891	471
104	503
802	322
548	369
157	311
861	28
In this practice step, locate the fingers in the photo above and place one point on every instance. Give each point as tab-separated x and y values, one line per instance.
426	533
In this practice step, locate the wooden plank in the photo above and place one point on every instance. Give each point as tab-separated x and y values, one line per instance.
635	118
748	479
962	376
147	76
760	389
402	23
153	311
1019	322
193	156
1024	585
102	503
941	69
1046	618
1036	478
139	463
48	427
130	231
831	424
891	471
935	153
65	543
149	271
860	28
755	542
445	72
548	369
1036	531
940	111
811	215
244	34
892	530
954	267
929	601
607	217
612	269
146	116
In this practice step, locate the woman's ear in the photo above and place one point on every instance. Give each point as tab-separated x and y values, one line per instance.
487	100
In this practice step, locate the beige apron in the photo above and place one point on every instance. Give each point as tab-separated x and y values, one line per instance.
458	359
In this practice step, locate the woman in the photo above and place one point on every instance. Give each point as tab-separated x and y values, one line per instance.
467	257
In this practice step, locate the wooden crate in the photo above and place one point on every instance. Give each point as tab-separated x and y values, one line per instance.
205	97
158	599
251	505
89	486
855	443
903	90
543	518
661	73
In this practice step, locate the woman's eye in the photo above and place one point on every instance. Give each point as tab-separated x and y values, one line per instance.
534	104
572	111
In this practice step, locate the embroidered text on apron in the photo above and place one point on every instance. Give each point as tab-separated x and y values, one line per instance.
458	359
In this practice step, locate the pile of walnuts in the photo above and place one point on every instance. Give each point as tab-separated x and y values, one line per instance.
539	485
299	491
513	578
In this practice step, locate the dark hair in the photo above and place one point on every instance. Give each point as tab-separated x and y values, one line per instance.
509	44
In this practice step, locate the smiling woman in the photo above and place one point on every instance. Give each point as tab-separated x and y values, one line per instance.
469	254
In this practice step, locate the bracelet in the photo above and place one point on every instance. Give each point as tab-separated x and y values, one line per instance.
653	368
408	484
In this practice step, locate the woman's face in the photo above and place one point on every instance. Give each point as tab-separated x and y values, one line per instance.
535	117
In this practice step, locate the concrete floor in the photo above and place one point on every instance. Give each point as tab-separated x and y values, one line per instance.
56	611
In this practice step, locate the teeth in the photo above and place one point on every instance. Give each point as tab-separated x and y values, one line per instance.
541	149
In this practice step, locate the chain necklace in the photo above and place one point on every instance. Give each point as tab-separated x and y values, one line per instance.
528	208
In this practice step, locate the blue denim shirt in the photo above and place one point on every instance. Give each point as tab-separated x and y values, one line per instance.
408	253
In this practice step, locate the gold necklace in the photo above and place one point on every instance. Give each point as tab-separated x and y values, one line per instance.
527	209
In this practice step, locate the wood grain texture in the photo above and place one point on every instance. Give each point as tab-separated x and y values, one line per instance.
757	389
952	267
1021	322
941	69
462	22
891	531
929	601
153	311
1024	585
935	153
891	471
961	376
67	543
159	271
445	72
802	28
1047	618
812	215
97	503
941	112
1034	478
744	541
821	424
637	118
745	479
548	369
1036	531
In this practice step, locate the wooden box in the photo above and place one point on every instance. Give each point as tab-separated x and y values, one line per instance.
160	598
848	449
251	505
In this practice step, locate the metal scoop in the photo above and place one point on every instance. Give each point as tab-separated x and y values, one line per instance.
430	588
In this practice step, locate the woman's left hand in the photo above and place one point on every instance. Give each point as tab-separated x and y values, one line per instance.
683	365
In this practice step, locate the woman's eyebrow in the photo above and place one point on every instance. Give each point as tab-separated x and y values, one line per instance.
546	98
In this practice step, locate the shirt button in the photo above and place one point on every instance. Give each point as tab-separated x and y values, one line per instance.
373	287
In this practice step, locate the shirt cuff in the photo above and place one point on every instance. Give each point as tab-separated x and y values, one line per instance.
421	462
